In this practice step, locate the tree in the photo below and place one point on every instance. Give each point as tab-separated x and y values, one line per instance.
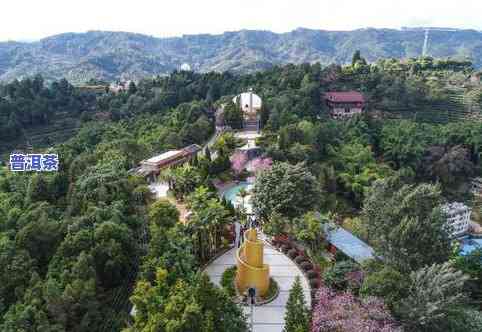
290	190
344	313
132	88
310	229
406	224
171	249
163	214
357	58
358	169
38	189
404	142
238	162
275	225
339	275
297	317
16	268
462	320
259	164
194	305
183	180
112	252
434	292
471	265
233	116
226	144
450	166
208	154
386	283
207	223
40	238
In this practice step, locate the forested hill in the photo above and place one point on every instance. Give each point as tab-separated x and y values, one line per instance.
113	55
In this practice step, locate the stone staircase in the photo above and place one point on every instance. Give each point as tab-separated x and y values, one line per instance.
251	125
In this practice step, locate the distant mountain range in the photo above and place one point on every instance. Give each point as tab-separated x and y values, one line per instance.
122	55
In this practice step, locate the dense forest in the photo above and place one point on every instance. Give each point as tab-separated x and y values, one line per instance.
76	244
111	56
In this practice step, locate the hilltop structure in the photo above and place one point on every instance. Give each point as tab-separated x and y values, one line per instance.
344	105
251	104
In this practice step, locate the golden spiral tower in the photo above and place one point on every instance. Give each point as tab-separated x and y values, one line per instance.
251	271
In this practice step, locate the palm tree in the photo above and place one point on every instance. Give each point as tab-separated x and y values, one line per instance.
242	193
168	175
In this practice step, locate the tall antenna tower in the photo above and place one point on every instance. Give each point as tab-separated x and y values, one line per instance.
427	30
425	43
427	37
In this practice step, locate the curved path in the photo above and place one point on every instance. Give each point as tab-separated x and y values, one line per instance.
268	317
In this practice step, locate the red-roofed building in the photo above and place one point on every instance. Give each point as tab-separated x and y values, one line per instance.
344	104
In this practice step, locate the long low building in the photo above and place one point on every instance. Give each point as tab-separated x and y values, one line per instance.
150	168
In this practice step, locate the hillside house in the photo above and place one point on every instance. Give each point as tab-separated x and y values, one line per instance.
344	105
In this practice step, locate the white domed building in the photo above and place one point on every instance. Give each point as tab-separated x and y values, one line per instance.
251	105
186	67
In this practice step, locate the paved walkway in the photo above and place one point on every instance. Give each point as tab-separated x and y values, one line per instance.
247	135
268	317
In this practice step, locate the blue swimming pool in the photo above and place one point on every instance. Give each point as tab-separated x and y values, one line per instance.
470	244
232	193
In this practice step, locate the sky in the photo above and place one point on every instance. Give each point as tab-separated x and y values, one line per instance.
35	19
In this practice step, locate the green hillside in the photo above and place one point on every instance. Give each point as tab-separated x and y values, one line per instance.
121	55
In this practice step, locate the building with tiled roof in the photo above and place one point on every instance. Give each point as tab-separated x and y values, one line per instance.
345	104
150	168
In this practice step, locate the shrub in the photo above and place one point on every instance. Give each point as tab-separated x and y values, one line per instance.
338	275
227	280
312	274
292	253
285	248
314	283
344	312
300	259
272	290
306	266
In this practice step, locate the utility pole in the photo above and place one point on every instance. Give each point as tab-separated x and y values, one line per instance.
425	43
427	30
252	301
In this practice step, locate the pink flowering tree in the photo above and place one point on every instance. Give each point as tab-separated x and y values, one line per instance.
260	164
345	313
238	162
